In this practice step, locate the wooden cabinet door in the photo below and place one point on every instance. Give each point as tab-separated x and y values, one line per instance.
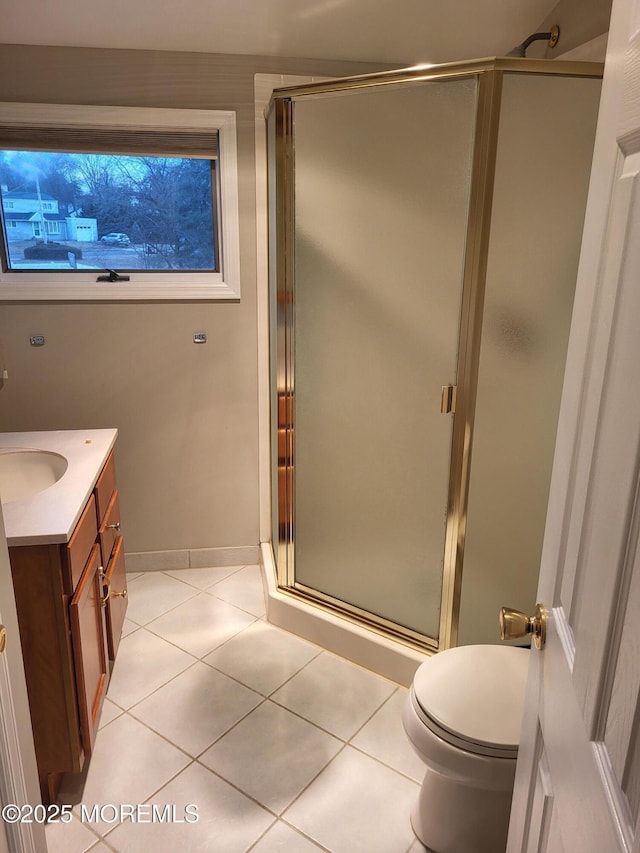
116	595
76	552
89	648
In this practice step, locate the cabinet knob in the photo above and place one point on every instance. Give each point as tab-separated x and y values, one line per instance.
3	639
115	526
122	594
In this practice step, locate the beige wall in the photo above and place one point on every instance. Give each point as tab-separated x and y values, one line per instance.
187	453
580	21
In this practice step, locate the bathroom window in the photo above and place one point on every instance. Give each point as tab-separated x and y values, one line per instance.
143	199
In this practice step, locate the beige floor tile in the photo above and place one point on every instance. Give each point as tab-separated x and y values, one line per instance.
262	657
356	805
196	708
72	837
128	627
384	738
153	594
129	763
271	755
204	578
244	589
201	624
281	838
144	663
334	694
109	712
228	821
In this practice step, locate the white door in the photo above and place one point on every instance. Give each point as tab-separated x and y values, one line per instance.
578	777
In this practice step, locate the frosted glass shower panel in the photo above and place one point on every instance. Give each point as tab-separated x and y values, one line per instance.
381	196
540	193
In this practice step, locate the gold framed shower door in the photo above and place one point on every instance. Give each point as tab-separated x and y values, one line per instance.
489	74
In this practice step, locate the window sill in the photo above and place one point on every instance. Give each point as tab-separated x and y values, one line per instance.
193	287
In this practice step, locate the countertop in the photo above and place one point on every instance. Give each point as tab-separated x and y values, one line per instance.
51	515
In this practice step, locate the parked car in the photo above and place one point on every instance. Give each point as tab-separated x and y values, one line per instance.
115	238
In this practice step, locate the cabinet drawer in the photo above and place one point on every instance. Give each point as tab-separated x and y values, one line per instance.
104	487
115	593
77	550
110	528
89	649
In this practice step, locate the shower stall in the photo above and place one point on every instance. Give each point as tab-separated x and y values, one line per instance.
424	230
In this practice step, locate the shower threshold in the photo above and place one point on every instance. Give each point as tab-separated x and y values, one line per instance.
365	646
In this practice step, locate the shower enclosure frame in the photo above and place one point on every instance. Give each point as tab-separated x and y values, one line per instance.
489	74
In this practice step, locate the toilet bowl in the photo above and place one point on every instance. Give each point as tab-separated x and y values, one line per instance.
463	716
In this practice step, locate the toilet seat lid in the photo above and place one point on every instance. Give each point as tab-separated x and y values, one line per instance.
476	693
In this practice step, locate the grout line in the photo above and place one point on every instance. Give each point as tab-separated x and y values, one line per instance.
371	716
148	629
236	568
384	764
98	838
146	800
291	677
370	672
238	789
160	735
173	678
228	731
233	604
294	829
170	609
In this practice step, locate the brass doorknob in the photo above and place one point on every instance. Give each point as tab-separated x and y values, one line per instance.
515	624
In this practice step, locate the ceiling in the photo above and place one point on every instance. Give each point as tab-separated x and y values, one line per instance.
396	31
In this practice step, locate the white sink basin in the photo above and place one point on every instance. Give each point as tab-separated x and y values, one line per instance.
25	472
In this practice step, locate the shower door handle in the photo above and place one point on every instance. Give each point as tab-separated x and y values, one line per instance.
448	399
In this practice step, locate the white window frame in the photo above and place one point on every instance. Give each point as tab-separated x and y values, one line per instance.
143	285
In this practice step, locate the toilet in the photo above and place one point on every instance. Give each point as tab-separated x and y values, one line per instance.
463	716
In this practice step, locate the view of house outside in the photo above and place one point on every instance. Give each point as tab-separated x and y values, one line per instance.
104	211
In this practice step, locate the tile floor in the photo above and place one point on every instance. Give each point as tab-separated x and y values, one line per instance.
280	745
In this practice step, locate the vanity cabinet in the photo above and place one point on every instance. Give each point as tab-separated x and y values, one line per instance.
71	600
